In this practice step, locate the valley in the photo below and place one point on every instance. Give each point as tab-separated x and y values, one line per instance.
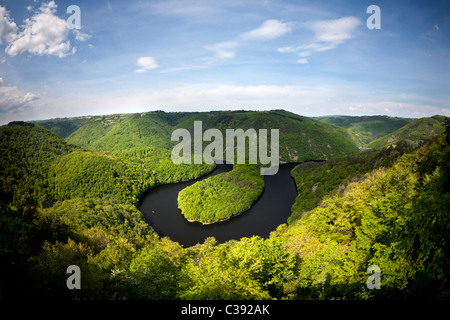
89	191
272	208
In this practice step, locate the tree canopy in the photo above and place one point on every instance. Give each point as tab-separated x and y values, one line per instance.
63	205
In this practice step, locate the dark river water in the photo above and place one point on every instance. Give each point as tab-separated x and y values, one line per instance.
160	209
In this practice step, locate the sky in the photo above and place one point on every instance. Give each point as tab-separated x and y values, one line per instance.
312	58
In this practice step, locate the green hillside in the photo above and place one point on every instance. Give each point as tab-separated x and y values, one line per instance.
63	127
396	218
55	193
413	133
367	128
62	205
317	180
26	154
301	138
94	129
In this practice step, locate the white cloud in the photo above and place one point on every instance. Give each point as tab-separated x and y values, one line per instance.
80	36
335	31
222	50
307	100
288	49
269	30
13	100
146	64
216	97
328	34
8	27
43	33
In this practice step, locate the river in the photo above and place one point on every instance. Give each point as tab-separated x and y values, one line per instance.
160	209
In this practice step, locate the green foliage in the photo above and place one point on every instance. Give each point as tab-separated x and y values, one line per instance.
120	175
115	219
155	166
63	127
26	154
251	268
79	174
301	138
365	129
316	180
49	271
222	196
414	133
62	205
57	199
155	273
395	218
94	129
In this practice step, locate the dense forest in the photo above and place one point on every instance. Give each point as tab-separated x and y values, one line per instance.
73	201
302	138
367	128
220	197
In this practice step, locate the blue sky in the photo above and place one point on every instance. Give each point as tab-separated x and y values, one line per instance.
309	57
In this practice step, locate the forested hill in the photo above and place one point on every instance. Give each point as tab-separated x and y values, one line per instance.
377	132
368	128
63	127
413	133
63	205
26	154
56	193
301	138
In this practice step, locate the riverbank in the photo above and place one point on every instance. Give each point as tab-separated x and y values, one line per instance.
160	210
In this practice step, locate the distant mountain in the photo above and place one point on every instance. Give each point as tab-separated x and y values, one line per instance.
301	138
367	128
63	127
412	133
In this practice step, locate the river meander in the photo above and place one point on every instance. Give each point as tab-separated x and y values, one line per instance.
160	209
